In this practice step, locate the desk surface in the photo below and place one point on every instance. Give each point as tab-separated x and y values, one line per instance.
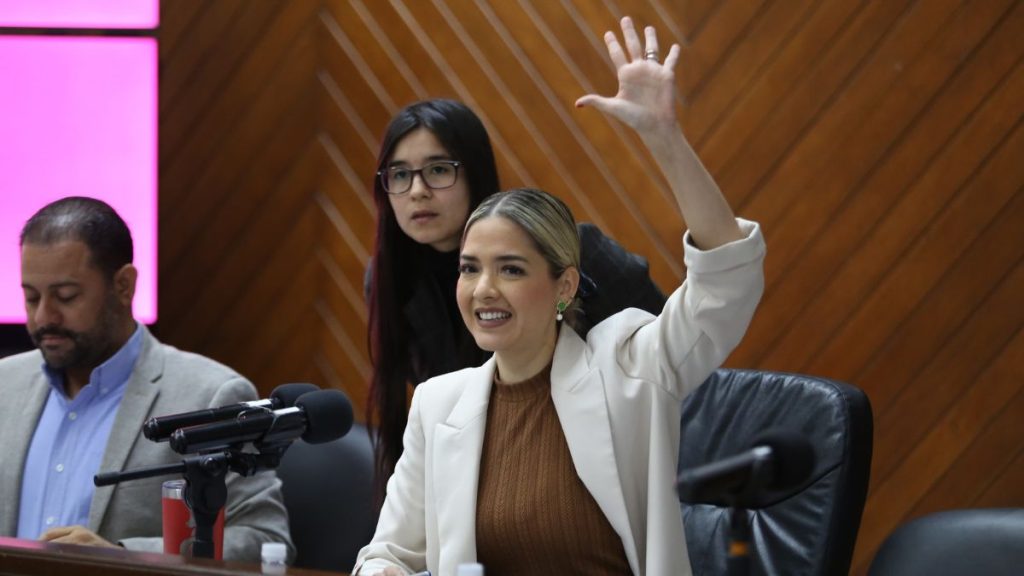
30	558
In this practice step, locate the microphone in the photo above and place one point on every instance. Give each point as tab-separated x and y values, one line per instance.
319	416
779	461
160	428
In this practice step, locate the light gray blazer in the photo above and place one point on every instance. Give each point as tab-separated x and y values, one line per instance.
164	381
617	395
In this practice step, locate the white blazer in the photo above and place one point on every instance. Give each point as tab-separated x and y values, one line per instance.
617	396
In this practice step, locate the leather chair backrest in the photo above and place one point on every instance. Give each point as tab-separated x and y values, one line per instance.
987	541
328	491
810	529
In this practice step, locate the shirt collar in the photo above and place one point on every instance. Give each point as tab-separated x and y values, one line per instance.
110	376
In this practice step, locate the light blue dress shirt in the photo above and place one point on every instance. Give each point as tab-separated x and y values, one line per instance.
68	444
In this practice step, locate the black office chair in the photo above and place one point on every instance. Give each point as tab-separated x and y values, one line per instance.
328	491
810	529
987	541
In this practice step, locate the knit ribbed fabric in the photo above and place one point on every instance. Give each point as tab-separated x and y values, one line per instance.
534	515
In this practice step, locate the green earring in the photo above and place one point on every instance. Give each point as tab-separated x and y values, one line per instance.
561	306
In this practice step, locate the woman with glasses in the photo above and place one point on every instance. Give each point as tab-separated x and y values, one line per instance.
436	166
558	454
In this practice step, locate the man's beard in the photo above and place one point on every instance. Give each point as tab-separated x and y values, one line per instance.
88	349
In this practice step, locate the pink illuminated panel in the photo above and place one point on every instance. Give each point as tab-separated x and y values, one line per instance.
79	13
78	116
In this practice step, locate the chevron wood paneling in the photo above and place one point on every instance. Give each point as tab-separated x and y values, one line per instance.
239	170
878	143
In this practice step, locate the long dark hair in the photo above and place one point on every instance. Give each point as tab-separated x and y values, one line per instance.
393	278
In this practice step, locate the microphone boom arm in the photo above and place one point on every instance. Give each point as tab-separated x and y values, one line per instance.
213	449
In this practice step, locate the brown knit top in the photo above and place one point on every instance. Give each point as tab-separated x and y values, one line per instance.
534	515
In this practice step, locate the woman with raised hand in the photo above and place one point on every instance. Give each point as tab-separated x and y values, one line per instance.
558	454
435	167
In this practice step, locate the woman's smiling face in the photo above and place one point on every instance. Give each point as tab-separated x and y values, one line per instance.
506	292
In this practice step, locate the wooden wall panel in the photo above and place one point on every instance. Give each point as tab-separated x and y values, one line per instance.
879	144
239	167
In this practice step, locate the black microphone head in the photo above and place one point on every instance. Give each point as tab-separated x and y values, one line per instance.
792	455
285	395
328	415
151	429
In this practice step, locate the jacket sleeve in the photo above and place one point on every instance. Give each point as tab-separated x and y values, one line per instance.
703	320
400	539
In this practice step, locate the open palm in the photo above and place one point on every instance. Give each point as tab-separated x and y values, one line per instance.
647	90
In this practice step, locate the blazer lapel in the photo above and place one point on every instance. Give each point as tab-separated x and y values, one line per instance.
579	396
20	421
139	395
456	468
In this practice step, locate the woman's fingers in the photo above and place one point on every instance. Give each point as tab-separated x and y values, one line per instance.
651	44
615	50
645	84
629	36
673	57
633	49
593	100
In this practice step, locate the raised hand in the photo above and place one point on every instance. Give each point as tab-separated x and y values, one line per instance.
646	101
647	89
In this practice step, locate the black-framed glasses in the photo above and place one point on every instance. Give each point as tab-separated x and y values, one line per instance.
436	175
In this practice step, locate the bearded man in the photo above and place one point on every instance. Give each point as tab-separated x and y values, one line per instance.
75	406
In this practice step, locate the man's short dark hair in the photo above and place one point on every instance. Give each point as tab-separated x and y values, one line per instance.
87	220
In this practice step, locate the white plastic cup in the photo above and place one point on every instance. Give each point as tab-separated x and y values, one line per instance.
471	569
272	557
